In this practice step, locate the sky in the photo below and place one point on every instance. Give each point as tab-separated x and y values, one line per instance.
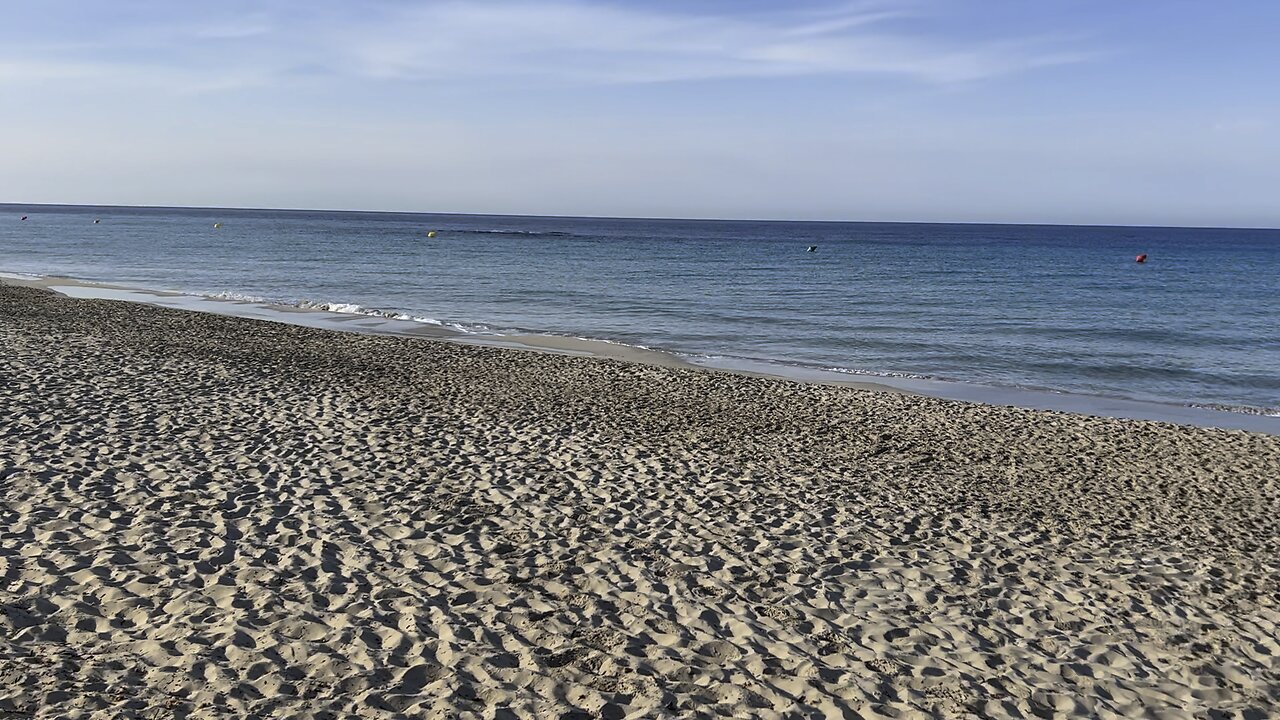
1142	112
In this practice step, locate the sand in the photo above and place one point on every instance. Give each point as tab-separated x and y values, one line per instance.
216	517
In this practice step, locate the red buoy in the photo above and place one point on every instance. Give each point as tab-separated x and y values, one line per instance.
1142	258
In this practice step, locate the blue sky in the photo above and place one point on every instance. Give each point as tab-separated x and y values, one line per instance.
1135	112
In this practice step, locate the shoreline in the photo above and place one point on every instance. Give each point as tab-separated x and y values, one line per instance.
212	516
381	323
1250	419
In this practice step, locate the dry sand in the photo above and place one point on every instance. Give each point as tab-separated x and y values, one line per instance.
216	517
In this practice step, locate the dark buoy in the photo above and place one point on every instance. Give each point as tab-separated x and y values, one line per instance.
1141	258
813	248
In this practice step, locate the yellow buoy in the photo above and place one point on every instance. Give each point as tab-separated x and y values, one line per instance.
431	233
217	225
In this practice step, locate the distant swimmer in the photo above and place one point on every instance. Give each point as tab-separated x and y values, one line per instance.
96	221
431	233
813	248
24	217
1141	258
217	225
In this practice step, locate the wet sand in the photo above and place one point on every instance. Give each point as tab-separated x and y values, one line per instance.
209	516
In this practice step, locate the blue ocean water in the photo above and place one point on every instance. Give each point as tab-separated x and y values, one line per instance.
1060	308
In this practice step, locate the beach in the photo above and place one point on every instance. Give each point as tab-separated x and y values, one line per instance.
210	516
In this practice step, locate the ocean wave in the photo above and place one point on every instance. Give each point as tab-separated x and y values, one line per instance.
354	309
1245	409
340	308
521	233
880	373
232	296
602	341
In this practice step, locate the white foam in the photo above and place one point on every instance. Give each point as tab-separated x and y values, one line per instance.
355	309
877	373
344	308
234	296
637	346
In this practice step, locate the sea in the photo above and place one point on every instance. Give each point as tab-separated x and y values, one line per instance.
974	311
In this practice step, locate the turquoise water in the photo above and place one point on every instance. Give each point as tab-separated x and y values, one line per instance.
1046	307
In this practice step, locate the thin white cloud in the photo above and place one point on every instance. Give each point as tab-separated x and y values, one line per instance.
602	43
841	23
173	80
233	30
38	71
555	40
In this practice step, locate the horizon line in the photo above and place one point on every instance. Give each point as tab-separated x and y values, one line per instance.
640	217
